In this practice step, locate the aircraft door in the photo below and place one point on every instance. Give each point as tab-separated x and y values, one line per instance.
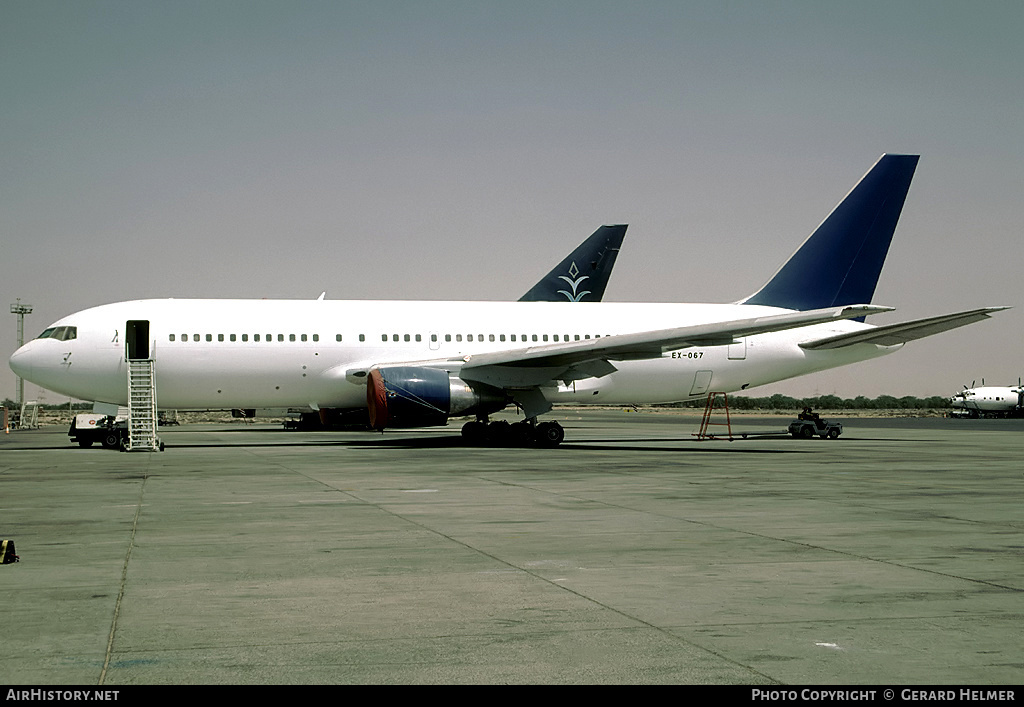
738	351
136	339
701	383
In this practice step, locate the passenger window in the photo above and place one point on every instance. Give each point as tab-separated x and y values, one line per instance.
406	337
245	337
556	338
469	337
233	337
490	337
362	337
280	337
291	337
195	337
255	337
316	337
448	338
303	337
458	337
220	337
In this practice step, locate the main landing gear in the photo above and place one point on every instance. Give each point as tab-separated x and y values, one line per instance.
526	433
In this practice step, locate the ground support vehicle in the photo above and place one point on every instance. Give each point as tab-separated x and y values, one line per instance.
806	429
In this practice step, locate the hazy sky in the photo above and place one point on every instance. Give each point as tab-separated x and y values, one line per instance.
458	150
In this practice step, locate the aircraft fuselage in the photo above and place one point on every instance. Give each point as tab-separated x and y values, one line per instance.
221	354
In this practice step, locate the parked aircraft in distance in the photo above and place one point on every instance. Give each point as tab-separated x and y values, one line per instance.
419	363
989	401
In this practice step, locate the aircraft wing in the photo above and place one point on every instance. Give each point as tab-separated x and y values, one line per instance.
538	365
521	372
893	334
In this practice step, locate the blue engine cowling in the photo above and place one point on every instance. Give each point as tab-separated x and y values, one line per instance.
411	396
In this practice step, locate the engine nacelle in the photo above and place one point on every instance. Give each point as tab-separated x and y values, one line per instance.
410	396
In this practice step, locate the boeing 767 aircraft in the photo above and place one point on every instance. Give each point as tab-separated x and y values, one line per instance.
419	363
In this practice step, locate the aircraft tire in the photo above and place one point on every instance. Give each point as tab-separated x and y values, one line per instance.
549	434
521	434
474	432
499	433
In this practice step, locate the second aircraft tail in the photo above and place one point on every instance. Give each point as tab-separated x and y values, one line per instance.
583	275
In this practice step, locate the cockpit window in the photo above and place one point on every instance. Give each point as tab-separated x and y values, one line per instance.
61	333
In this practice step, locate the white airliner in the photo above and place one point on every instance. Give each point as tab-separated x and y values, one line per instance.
417	364
989	401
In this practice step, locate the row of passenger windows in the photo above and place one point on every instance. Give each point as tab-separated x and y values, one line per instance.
383	337
245	337
501	337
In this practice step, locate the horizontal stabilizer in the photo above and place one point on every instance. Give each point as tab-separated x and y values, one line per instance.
894	334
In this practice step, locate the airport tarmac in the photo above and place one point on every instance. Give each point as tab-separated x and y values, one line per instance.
633	553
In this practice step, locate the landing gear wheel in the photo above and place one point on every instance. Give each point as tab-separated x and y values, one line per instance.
521	434
549	434
499	433
474	431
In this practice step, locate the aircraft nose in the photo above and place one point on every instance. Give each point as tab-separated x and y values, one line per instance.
21	361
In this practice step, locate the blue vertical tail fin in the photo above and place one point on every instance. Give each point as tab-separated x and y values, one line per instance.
840	262
583	274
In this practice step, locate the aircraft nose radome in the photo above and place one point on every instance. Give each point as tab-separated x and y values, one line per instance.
21	362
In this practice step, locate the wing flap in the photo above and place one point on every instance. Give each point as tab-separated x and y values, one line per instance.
894	334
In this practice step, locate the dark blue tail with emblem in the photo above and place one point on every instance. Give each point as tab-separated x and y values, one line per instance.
583	275
840	262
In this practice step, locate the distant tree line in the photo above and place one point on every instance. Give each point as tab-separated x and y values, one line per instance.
831	402
12	405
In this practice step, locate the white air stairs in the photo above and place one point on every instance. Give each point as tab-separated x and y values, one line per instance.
141	407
